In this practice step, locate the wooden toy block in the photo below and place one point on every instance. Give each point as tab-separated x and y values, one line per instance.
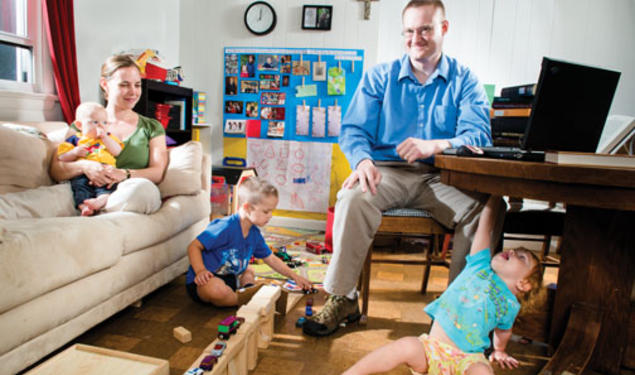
251	341
182	334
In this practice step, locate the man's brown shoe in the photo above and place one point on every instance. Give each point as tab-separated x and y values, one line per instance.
337	309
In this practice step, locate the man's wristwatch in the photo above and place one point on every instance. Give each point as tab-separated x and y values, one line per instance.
127	174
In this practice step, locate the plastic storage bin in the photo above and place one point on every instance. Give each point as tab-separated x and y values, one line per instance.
219	196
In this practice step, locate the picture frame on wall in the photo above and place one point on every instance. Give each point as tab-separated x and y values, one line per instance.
317	17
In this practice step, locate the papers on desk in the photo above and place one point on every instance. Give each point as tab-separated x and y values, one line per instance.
590	159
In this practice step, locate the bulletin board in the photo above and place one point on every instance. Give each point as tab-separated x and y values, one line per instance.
295	94
282	111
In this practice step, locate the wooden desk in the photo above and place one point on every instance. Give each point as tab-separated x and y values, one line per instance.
598	246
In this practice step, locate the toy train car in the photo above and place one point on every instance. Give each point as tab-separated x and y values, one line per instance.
229	326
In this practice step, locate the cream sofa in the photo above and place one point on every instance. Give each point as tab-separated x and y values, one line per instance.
61	274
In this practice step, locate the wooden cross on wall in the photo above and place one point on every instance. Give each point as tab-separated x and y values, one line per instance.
367	8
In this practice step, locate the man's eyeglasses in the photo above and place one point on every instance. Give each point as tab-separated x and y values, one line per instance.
423	31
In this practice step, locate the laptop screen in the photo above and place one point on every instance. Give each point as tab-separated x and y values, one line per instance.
570	107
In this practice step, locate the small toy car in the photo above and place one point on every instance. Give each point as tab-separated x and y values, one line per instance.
218	349
310	291
229	326
195	371
208	363
315	247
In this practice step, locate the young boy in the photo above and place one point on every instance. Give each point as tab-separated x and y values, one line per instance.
219	256
93	143
483	298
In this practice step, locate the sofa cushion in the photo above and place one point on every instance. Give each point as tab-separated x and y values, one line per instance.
39	255
24	160
175	215
183	175
44	201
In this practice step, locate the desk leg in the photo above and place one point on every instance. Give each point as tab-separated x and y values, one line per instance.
598	259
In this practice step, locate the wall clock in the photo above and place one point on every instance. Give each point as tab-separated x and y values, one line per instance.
260	18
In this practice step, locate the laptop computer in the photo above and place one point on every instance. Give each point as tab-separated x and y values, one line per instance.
568	113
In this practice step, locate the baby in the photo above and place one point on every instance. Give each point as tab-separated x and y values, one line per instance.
93	143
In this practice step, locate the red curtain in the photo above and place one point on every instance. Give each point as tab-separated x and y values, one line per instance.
60	31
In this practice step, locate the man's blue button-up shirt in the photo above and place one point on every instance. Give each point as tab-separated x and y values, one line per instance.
391	105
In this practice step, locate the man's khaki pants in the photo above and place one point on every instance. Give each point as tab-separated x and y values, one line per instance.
358	215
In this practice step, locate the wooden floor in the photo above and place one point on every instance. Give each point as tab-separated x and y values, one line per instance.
395	311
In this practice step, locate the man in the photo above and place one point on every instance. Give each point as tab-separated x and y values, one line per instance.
402	114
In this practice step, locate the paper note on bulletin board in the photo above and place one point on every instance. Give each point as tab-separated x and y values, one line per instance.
301	171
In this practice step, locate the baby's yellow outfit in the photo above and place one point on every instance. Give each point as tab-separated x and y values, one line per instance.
445	359
97	149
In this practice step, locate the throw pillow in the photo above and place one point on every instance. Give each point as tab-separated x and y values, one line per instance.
24	159
183	176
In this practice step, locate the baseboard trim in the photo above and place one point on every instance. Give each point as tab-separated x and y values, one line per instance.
294	222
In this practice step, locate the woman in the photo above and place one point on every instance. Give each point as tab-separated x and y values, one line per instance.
144	156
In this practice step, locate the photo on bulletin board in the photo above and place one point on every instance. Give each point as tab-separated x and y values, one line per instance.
269	82
285	64
267	62
275	129
273	98
233	106
247	66
285	81
316	17
301	68
235	126
231	64
251	109
319	71
231	85
248	87
272	113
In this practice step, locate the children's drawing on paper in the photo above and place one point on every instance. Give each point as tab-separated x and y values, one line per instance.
319	121
335	120
300	170
302	120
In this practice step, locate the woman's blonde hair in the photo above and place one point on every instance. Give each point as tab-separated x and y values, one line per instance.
533	299
114	63
254	189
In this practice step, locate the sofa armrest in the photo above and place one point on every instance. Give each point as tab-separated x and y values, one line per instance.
206	173
183	175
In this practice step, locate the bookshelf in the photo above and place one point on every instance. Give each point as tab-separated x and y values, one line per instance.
153	92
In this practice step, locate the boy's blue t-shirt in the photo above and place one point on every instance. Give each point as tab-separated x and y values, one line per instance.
475	303
226	250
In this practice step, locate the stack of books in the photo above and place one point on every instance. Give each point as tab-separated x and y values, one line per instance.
198	107
510	113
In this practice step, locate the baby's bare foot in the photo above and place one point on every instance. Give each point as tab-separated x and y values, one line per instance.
86	210
97	203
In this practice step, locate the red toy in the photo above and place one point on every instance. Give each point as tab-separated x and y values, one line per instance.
315	247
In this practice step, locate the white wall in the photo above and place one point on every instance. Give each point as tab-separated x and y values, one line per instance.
209	26
103	28
504	41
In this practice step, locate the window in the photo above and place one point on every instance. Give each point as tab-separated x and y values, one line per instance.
20	55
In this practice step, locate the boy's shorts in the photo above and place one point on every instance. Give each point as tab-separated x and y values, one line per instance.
230	280
445	359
